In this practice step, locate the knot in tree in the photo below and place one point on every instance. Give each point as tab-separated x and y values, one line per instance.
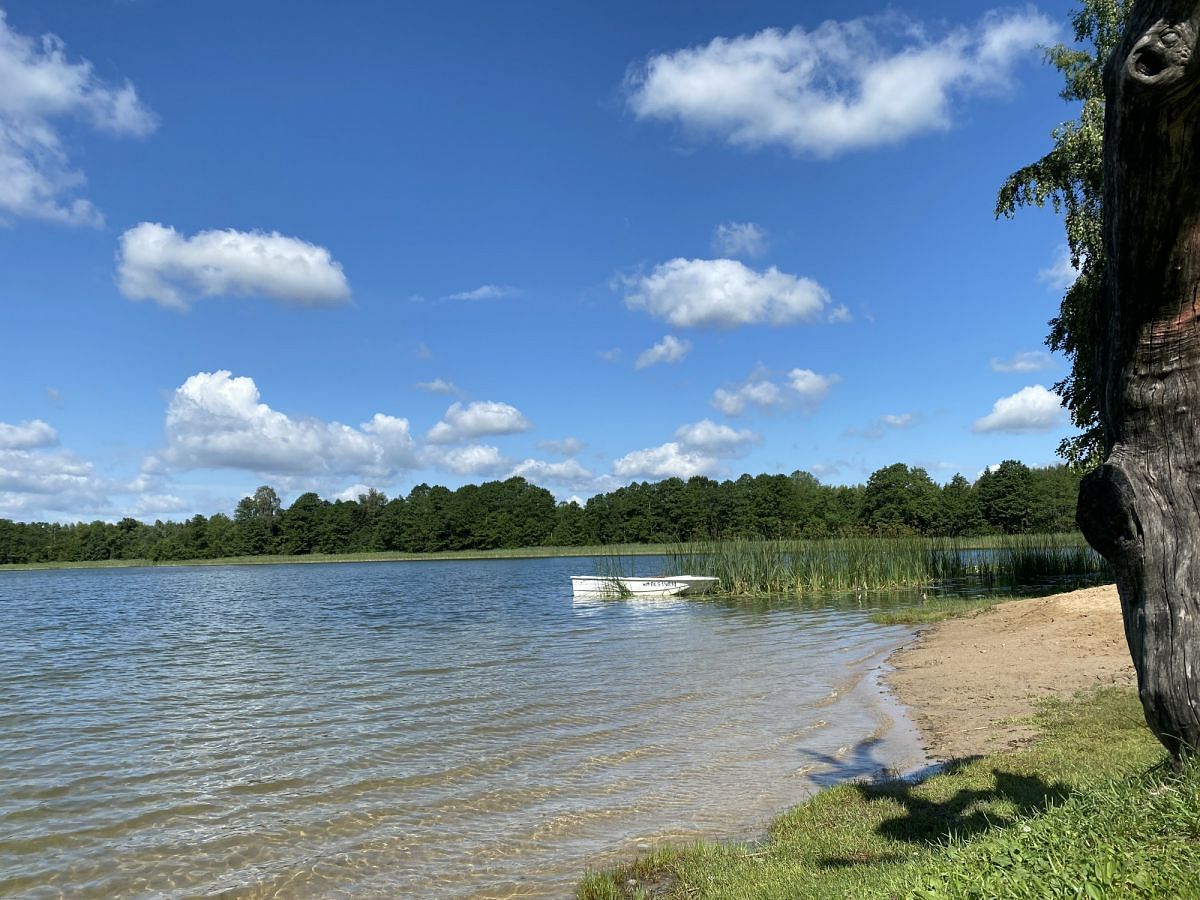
1141	508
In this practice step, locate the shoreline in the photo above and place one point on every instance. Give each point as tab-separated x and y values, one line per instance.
971	683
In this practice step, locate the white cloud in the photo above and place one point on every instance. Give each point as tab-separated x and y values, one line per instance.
669	350
811	388
708	437
215	420
763	394
740	239
802	388
883	425
461	423
568	472
484	292
1030	361
836	88
566	447
1061	273
610	356
157	263
1030	410
39	86
27	435
698	449
476	459
38	484
438	386
671	460
724	293
32	472
352	493
839	315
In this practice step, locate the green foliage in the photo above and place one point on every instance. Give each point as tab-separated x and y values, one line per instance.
1071	177
897	500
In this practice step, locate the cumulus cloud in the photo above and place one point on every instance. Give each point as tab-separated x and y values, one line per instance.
1061	273
839	315
463	423
706	436
801	388
216	420
698	449
484	292
438	386
763	394
836	88
669	350
1030	361
1030	410
611	355
724	293
740	239
27	435
810	388
476	459
42	484
568	472
39	88
671	460
566	447
157	263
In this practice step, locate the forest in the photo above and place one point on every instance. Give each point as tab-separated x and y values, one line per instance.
898	499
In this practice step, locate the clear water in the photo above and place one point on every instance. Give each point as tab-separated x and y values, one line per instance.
443	729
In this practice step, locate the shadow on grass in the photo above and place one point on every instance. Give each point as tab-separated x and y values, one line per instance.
1001	799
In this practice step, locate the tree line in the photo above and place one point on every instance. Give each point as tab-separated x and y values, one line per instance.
897	499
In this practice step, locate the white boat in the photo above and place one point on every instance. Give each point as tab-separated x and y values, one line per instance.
620	586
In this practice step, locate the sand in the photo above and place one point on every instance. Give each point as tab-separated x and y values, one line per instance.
967	679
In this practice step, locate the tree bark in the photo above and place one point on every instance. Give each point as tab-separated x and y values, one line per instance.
1141	508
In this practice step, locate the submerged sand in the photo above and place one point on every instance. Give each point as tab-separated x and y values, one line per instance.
968	679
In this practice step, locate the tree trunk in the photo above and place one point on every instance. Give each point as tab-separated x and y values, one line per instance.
1141	509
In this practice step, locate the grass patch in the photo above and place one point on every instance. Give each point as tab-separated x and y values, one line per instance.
937	609
962	832
1136	837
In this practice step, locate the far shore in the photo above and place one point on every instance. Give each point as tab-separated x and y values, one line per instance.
313	558
973	682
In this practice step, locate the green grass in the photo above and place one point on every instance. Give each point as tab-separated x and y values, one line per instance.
938	609
876	563
1079	807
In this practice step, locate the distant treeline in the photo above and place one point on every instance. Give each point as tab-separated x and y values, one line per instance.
895	500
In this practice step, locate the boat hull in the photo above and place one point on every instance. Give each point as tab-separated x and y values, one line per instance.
647	588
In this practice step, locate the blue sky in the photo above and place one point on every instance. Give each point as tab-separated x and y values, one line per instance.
326	248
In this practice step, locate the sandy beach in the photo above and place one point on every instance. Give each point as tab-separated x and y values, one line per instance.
968	679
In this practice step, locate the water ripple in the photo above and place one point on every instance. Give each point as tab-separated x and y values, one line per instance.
441	730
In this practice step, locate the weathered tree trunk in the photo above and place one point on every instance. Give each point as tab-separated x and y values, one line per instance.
1141	509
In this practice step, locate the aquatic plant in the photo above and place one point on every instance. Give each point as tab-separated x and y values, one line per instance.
873	563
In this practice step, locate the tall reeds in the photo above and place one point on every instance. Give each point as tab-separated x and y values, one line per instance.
873	563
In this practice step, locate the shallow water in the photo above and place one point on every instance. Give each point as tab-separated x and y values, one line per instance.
441	729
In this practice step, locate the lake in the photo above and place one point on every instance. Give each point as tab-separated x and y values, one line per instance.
431	729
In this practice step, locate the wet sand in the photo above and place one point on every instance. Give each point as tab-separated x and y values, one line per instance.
968	679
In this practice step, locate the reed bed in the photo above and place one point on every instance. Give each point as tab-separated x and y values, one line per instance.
876	563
